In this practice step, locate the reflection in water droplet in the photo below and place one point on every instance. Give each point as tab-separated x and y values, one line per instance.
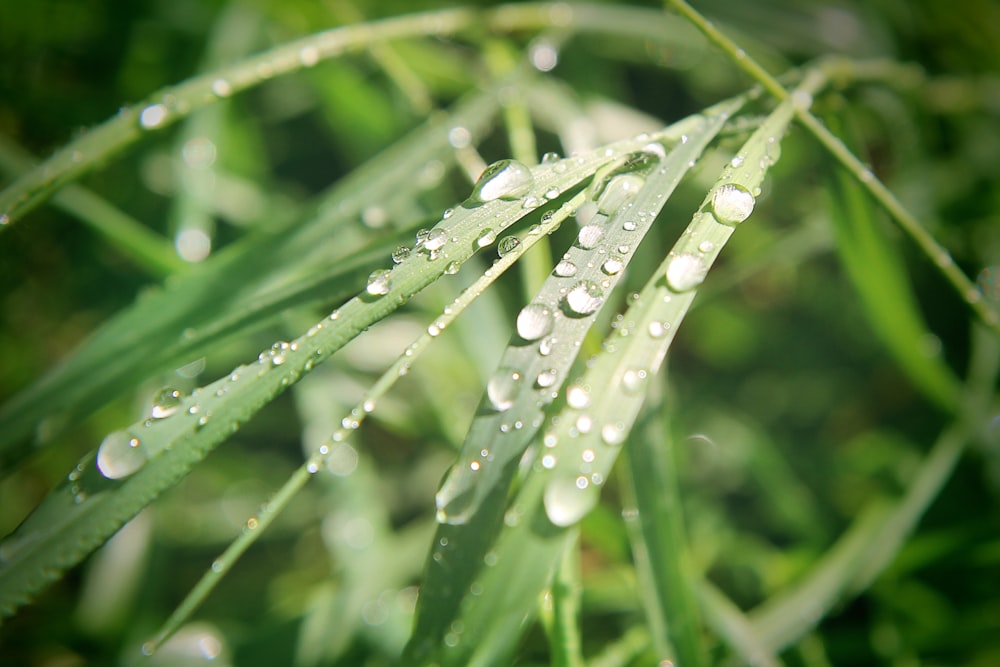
399	254
502	388
379	283
485	238
534	321
507	245
435	239
506	179
120	455
685	272
732	203
613	266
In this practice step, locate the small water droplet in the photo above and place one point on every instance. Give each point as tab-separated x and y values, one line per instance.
706	246
552	193
547	378
583	298
658	329
121	454
506	179
589	236
577	397
566	501
545	346
629	226
613	434
153	116
613	266
634	380
276	355
399	254
485	238
565	269
534	321
507	245
550	157
379	283
502	388
685	272
222	88
165	403
732	203
452	268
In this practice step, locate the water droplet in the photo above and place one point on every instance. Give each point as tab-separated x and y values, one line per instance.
379	283
507	245
459	137
566	501
485	238
502	388
435	240
153	116
545	346
619	191
583	298
577	397
552	193
629	226
165	403
685	272
613	266
634	380
120	455
534	321
565	269
277	354
308	55
732	203
589	236
222	88
547	378
658	329
452	268
613	434
399	254
706	246
550	157
506	179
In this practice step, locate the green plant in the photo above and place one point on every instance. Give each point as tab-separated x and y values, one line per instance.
591	287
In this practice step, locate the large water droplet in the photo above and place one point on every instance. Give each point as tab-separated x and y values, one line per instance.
685	272
613	266
589	236
567	499
166	402
379	283
399	254
502	388
534	321
435	239
583	298
507	245
120	455
506	179
613	434
619	191
732	203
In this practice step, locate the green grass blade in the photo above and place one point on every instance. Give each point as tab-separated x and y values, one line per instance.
155	333
657	532
544	345
889	303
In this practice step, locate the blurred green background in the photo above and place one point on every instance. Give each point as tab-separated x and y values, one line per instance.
790	414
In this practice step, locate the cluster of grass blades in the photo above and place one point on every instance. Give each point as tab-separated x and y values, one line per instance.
393	295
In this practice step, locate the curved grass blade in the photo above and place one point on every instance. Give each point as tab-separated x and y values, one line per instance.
350	423
497	599
889	303
844	69
545	343
134	465
167	106
153	334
